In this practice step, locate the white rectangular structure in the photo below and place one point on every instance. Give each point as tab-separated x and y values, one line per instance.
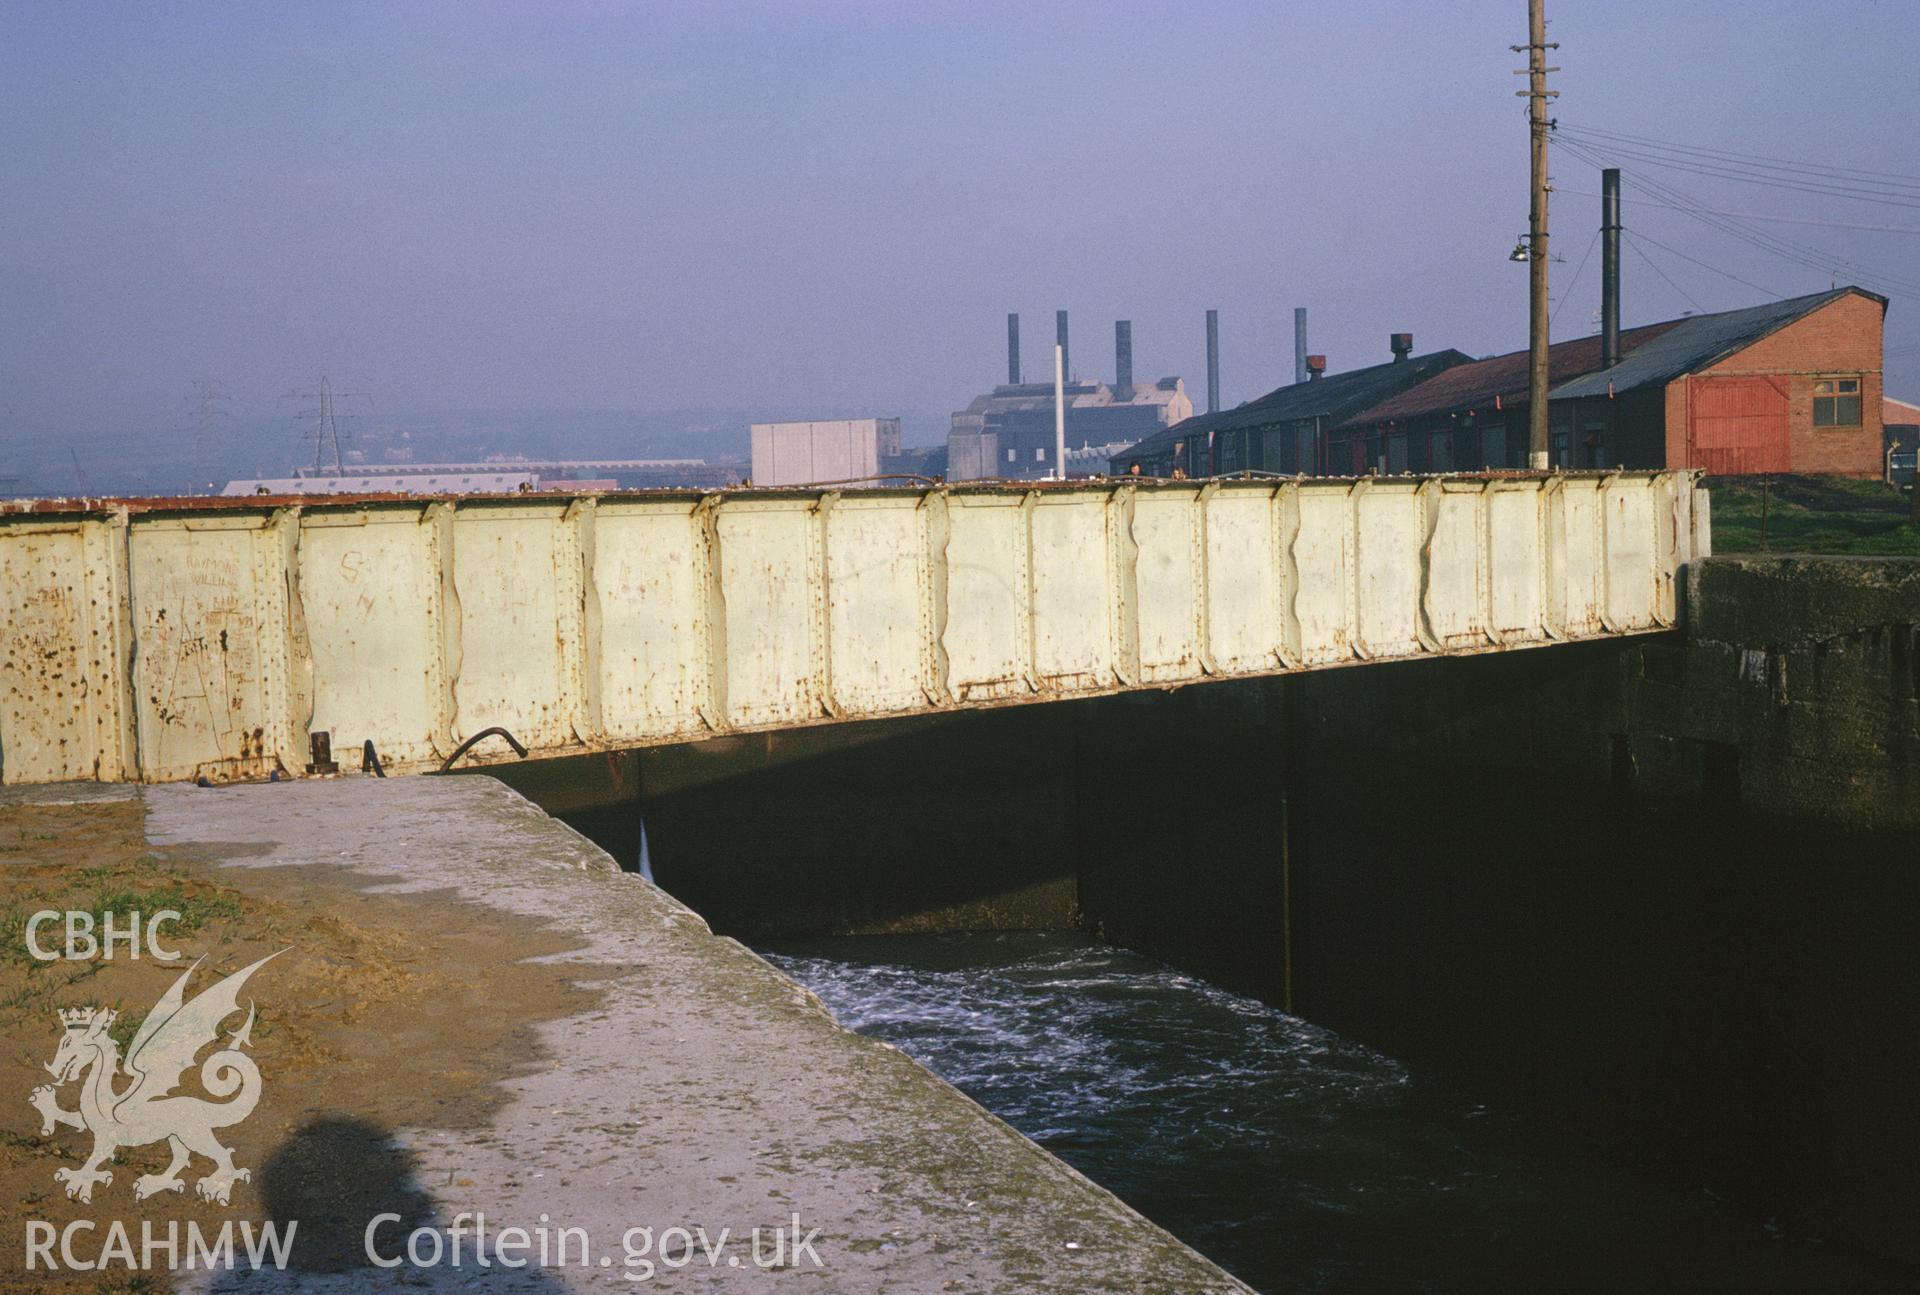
152	640
801	454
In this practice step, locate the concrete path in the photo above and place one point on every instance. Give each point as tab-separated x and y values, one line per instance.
702	1089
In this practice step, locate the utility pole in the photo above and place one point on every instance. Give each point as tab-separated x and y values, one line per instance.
1060	405
1537	95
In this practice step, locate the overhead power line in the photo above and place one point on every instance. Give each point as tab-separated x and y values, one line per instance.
1634	243
1799	253
1575	280
1703	265
1728	171
1754	215
1778	163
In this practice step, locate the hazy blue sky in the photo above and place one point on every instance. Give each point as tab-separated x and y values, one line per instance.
562	206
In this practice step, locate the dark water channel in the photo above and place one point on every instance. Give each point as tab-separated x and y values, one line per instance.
1295	1158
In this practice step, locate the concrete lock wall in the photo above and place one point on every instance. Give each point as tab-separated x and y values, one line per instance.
158	640
1669	883
1660	889
1796	690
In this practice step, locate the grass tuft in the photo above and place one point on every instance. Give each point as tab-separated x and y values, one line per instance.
1842	515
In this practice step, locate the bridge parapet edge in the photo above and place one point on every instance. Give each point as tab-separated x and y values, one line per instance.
161	640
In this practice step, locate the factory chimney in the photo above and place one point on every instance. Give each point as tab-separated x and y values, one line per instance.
1316	365
1213	361
1060	340
1609	267
1013	350
1402	344
1123	361
1299	343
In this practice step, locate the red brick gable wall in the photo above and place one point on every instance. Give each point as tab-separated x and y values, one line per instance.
1841	339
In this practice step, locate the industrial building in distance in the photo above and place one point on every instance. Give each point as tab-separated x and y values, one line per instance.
1785	386
1782	387
387	483
824	451
499	476
1009	432
1285	430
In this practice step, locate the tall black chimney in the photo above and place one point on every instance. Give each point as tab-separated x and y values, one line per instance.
1609	267
1299	343
1213	361
1123	360
1060	335
1013	350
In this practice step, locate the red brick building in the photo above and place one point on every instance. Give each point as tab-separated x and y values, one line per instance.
1788	386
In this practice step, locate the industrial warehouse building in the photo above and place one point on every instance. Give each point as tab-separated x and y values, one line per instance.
1473	416
1787	386
501	474
1284	430
389	483
810	453
1009	432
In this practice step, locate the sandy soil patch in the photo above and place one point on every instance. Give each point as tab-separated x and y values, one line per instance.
386	1011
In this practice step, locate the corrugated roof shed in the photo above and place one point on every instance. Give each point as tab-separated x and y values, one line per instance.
1504	377
1696	343
1163	439
1326	397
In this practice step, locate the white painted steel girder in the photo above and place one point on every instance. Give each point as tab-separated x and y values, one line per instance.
148	641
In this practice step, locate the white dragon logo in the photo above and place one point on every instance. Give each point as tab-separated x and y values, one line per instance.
162	1050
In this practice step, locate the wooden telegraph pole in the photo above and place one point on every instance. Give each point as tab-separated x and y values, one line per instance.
1537	95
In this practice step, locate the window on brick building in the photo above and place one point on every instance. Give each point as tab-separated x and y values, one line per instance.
1836	402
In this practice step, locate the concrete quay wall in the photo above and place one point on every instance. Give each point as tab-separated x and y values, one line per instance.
674	1079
